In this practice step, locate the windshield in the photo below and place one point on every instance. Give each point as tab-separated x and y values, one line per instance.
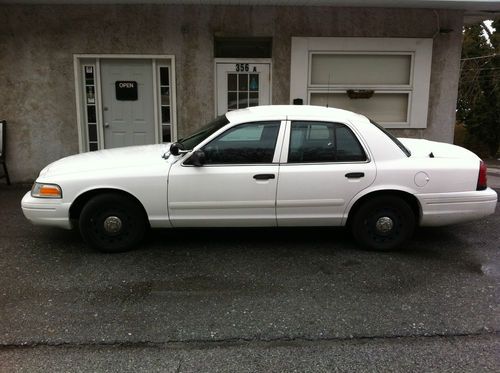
392	137
191	141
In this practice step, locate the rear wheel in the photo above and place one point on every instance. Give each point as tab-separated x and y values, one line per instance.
383	223
112	223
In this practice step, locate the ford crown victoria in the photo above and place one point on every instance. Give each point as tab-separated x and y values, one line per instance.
266	166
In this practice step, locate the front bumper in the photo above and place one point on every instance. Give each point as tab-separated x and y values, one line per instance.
451	208
45	211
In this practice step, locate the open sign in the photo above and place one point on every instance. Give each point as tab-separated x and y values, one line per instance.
126	91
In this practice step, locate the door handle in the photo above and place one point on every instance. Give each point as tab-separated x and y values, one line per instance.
264	176
106	124
355	175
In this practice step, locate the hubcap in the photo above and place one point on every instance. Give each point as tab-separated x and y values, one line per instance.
384	224
112	224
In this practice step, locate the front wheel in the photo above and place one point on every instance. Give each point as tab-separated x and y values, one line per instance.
383	223
112	223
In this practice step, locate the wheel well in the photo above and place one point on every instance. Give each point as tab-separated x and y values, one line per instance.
77	206
407	197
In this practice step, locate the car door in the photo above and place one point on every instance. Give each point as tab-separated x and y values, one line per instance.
236	186
324	165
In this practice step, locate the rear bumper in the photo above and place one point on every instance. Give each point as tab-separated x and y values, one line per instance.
451	208
40	211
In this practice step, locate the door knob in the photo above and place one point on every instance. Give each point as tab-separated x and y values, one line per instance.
106	124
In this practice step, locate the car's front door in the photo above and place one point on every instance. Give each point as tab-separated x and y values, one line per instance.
323	167
236	186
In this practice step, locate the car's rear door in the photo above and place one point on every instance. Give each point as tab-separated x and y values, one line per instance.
323	166
237	184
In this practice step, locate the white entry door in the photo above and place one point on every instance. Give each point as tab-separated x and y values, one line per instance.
128	104
242	84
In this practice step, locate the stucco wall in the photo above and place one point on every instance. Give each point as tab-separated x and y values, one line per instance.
37	44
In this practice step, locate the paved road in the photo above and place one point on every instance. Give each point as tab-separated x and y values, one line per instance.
246	300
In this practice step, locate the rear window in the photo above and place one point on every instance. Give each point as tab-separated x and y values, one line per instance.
392	137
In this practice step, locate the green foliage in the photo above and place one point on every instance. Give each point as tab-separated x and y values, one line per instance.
478	106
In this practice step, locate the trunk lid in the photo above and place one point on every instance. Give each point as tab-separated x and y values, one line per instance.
420	148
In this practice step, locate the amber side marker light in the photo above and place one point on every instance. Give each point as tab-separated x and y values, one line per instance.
40	190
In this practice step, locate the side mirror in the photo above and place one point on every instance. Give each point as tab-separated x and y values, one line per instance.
176	149
197	158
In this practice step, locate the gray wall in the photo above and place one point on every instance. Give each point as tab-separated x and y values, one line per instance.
37	44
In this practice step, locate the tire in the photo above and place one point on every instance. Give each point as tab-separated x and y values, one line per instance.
112	223
383	223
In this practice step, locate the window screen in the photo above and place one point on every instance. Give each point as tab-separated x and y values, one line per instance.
318	142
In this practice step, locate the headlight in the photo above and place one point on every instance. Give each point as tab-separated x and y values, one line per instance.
41	190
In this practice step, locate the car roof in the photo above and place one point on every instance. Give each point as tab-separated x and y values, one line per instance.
292	112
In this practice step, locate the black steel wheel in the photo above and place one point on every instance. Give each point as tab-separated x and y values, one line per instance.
112	223
383	223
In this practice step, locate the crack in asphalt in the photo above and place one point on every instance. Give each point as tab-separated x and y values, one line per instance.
237	342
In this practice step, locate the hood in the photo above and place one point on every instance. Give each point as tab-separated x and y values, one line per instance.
423	148
130	156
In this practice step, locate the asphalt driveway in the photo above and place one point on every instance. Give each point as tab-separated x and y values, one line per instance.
247	300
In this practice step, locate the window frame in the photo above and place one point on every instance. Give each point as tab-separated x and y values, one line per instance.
277	146
419	88
157	60
285	151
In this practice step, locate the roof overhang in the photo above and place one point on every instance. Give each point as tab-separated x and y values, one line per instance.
475	10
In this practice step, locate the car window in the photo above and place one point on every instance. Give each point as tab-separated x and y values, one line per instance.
191	141
246	143
318	142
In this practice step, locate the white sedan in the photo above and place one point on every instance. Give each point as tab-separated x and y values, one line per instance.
266	166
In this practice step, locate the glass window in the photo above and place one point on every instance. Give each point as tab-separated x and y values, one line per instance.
192	140
387	107
348	148
360	69
318	142
166	119
242	90
90	107
244	144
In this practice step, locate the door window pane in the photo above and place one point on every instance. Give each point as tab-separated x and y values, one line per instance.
165	95
254	99
318	142
243	82
232	82
242	100
247	143
165	114
164	78
254	82
242	90
232	101
165	104
166	134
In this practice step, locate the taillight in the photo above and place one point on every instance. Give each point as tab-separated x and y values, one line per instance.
481	179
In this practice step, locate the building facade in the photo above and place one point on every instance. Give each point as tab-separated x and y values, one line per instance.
84	77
